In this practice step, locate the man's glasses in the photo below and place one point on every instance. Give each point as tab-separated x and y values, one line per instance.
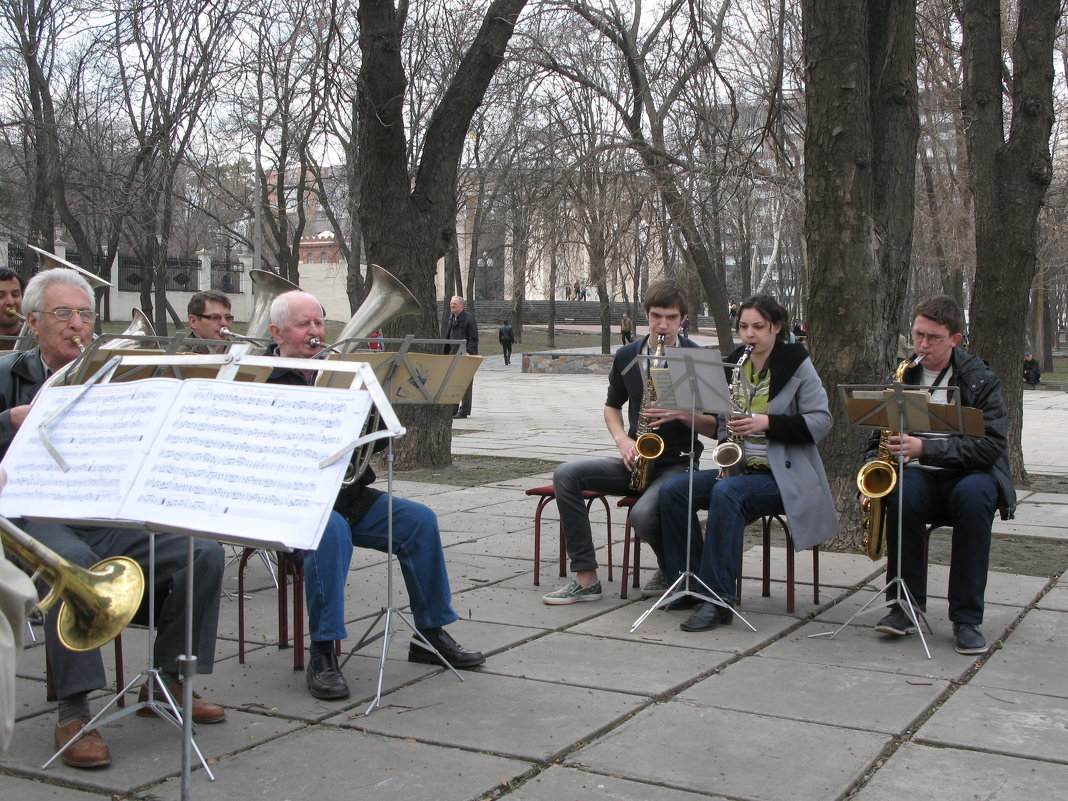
934	339
216	318
64	314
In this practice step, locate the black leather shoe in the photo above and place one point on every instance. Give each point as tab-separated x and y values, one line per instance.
685	602
451	651
709	616
325	680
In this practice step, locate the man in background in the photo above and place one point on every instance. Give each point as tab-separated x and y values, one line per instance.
462	325
11	287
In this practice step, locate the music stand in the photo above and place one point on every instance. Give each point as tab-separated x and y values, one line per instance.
708	391
904	408
442	381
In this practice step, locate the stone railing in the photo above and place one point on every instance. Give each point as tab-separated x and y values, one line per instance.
560	362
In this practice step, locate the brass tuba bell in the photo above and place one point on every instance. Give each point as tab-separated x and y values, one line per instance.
98	603
266	286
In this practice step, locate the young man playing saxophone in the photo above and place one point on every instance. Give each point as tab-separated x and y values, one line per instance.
665	309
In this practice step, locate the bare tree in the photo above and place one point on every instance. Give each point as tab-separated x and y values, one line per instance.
409	222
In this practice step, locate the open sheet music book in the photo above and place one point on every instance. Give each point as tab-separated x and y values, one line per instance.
238	461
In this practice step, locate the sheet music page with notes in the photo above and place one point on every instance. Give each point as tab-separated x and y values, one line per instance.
236	460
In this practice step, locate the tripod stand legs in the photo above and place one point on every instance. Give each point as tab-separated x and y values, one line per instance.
674	592
388	630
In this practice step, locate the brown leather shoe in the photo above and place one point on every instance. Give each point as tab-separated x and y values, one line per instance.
89	752
203	711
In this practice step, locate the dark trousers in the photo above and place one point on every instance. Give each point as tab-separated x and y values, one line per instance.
83	671
967	502
506	347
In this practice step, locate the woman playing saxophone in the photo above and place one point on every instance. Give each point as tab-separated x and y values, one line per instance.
784	414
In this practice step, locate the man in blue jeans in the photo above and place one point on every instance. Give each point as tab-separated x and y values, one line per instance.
360	518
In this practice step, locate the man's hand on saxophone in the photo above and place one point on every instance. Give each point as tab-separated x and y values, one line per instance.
911	446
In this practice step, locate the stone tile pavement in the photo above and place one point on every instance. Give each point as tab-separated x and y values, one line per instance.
572	704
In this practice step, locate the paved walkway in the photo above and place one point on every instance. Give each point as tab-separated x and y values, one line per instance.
571	704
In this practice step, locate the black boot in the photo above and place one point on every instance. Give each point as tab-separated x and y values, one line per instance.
708	617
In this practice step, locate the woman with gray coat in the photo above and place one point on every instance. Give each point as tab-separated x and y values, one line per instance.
786	414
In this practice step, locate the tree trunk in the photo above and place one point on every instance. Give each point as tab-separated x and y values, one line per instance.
1009	180
854	182
411	224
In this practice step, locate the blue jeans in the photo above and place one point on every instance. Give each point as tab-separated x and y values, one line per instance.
967	501
732	502
417	546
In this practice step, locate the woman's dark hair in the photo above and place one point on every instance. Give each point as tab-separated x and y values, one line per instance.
771	310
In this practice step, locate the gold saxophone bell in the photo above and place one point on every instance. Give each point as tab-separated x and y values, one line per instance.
876	479
98	603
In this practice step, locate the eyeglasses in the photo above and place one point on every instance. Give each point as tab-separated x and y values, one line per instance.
64	314
216	318
934	339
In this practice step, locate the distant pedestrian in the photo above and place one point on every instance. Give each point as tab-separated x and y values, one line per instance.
686	327
626	329
462	325
576	291
567	291
1032	374
506	338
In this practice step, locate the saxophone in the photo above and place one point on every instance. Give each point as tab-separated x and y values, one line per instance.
729	452
876	479
649	445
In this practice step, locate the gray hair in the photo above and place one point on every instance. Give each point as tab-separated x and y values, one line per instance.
35	289
280	311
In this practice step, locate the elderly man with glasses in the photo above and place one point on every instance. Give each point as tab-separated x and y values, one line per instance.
58	304
949	479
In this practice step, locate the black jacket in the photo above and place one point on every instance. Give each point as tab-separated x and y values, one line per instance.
463	327
629	387
980	389
21	376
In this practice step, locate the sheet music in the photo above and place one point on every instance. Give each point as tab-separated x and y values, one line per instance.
673	387
237	460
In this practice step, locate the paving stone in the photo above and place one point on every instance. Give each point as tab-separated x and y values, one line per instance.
143	751
858	646
951	774
1056	599
335	763
1033	658
781	688
735	754
1002	722
640	667
18	789
560	782
507	716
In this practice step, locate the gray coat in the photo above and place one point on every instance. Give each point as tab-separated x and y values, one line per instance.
799	417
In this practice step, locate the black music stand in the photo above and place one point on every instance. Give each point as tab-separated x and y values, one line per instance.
905	409
708	392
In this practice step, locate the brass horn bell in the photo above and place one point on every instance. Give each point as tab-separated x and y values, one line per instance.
98	603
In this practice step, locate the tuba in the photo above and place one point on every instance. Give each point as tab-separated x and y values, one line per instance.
387	298
649	445
98	603
876	479
266	286
729	452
